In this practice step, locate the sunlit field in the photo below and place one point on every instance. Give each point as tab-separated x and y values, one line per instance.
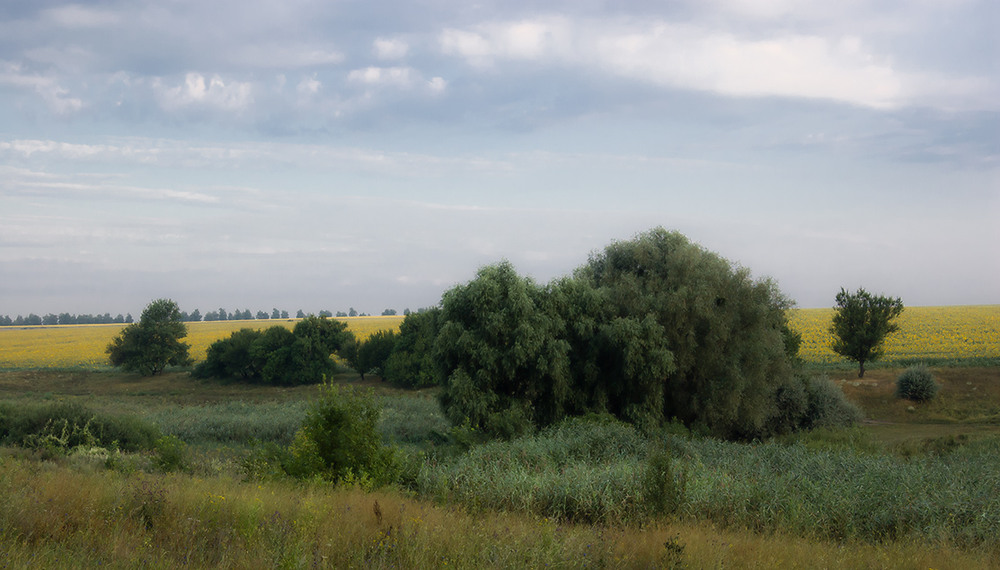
67	346
932	333
925	333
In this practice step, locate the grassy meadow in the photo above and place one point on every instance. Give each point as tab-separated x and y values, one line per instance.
915	486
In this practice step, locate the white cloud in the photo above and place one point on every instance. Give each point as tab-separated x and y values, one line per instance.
437	84
390	48
210	92
841	68
76	16
48	89
285	56
398	76
524	39
309	86
405	78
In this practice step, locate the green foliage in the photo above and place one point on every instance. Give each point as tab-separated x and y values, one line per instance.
917	384
152	344
662	490
861	324
411	363
650	329
171	454
506	367
375	350
577	470
234	357
27	424
370	355
828	484
828	407
340	440
232	423
277	355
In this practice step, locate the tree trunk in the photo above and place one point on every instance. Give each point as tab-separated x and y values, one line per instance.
861	370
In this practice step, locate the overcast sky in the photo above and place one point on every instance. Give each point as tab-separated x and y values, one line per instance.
327	155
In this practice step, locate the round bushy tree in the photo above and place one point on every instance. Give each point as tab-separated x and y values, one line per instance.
917	384
153	343
650	329
725	333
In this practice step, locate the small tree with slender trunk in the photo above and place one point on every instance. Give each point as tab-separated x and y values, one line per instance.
861	324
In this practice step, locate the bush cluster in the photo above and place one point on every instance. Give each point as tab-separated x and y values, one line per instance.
277	355
917	384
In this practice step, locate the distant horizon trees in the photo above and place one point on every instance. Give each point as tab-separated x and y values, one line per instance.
221	314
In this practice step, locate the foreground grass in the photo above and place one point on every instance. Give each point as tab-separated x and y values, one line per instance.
571	497
69	515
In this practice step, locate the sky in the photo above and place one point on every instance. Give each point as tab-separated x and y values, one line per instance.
327	155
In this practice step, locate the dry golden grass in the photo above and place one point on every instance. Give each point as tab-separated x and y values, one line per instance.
68	346
924	333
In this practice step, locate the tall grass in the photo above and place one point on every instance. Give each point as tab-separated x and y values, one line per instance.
234	422
53	516
593	473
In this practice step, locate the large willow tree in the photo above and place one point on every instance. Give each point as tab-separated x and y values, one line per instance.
649	330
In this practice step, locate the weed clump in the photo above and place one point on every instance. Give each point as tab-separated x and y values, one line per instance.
917	384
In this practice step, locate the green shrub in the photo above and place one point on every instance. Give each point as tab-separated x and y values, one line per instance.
340	440
828	407
917	384
24	424
171	454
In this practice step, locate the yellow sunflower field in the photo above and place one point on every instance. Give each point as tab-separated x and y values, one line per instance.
955	332
62	346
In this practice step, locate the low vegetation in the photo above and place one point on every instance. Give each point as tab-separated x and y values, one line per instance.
916	383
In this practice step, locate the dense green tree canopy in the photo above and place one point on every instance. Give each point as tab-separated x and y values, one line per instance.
648	330
153	343
861	324
277	355
411	363
501	353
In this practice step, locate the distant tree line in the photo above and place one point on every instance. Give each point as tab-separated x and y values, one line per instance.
194	316
64	319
